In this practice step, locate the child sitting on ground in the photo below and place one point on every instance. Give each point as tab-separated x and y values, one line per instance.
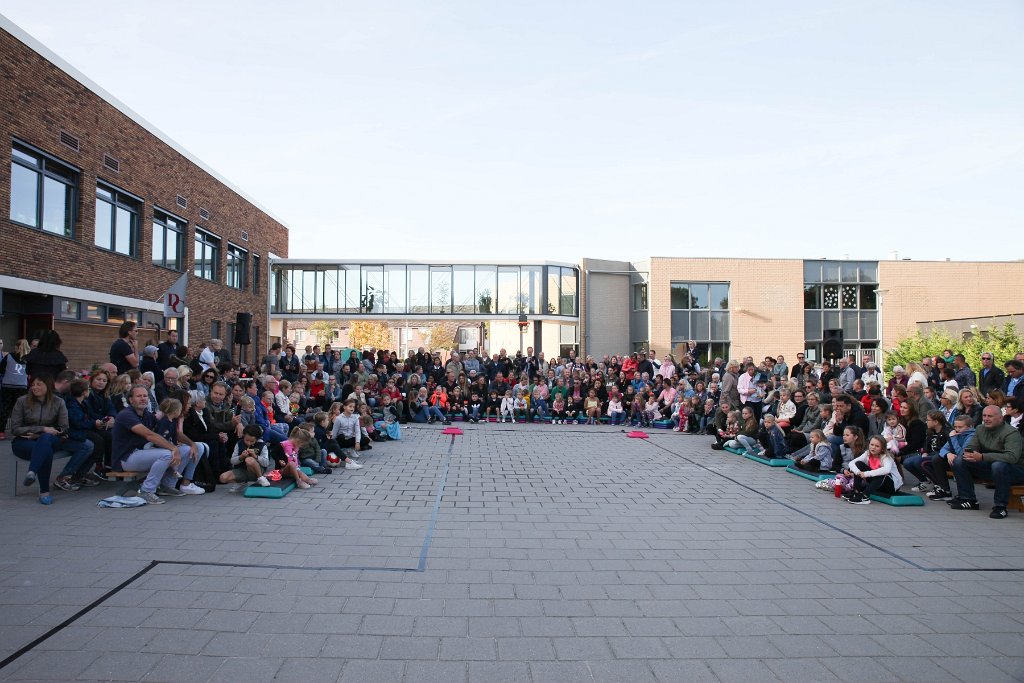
558	410
593	407
651	411
310	454
874	472
508	406
475	407
250	459
772	439
820	456
322	435
492	407
521	407
288	462
615	412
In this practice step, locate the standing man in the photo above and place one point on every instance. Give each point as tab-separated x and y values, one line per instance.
990	377
167	349
123	353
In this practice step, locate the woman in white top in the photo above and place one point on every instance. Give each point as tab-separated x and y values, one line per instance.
917	375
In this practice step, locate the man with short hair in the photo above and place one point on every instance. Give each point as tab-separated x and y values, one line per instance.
990	377
1013	383
133	429
846	375
149	363
168	388
994	452
167	349
964	375
123	353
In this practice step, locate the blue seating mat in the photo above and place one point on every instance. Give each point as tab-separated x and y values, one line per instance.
812	476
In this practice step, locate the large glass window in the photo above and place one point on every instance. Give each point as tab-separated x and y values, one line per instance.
640	296
331	291
567	298
207	255
840	296
372	300
352	287
394	289
440	289
486	289
463	292
117	220
168	240
700	312
531	282
43	191
238	267
508	290
419	289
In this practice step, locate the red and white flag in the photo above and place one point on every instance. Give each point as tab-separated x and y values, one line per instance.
174	298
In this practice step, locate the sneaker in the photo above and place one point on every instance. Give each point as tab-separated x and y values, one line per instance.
46	499
921	487
859	499
998	512
97	477
938	494
88	480
675	429
446	422
192	490
367	447
302	484
30	478
326	470
151	498
353	466
960	504
65	484
169	492
263	481
313	481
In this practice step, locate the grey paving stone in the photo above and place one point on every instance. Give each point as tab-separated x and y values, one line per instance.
409	647
525	649
436	672
468	649
499	672
683	671
560	672
172	669
363	671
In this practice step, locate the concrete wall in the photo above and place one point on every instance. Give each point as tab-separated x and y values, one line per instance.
604	297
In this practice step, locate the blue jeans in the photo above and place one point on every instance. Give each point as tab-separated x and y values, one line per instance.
272	435
426	412
617	417
474	413
749	444
541	407
39	453
157	462
1002	473
915	465
835	442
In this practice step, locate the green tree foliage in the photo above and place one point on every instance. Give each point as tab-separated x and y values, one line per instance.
323	332
1003	342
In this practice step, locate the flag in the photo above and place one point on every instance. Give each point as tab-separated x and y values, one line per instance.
174	298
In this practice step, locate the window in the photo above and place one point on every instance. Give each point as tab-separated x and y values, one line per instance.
255	274
561	291
207	255
93	312
115	314
43	191
640	297
168	240
840	295
700	312
117	220
69	310
214	329
238	267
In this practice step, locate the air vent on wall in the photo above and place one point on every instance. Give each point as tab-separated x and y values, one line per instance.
245	236
204	214
181	201
69	140
111	163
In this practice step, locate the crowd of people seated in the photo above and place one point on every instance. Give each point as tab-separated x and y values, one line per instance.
233	424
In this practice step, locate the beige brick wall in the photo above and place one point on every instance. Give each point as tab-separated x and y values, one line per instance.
918	291
766	301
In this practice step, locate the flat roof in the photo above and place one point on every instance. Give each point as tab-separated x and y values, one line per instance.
401	262
62	64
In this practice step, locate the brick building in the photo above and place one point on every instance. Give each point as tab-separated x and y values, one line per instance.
100	213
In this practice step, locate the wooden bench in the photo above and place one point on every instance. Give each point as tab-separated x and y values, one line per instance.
127	479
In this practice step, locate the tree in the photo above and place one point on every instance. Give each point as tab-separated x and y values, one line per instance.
322	331
367	333
440	336
1003	342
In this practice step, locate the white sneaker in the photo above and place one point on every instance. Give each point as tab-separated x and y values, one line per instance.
353	466
313	481
263	481
192	490
302	484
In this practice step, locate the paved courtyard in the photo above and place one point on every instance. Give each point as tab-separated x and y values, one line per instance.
513	553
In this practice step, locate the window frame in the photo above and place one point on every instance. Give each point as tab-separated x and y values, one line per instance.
119	199
164	227
206	239
43	171
237	266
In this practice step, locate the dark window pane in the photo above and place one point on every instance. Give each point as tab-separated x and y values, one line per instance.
851	329
680	299
848	272
831	320
26	157
868	298
830	271
869	325
680	326
699	296
720	297
812	325
868	272
812	271
812	296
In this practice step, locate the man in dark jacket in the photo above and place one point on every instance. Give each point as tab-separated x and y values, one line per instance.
990	377
1013	384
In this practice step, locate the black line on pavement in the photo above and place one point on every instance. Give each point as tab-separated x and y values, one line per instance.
79	614
828	524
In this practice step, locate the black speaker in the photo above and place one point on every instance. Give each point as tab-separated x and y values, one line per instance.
243	321
832	348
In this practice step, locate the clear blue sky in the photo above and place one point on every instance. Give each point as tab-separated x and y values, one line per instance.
555	130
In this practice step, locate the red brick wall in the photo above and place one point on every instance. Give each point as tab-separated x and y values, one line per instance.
37	101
